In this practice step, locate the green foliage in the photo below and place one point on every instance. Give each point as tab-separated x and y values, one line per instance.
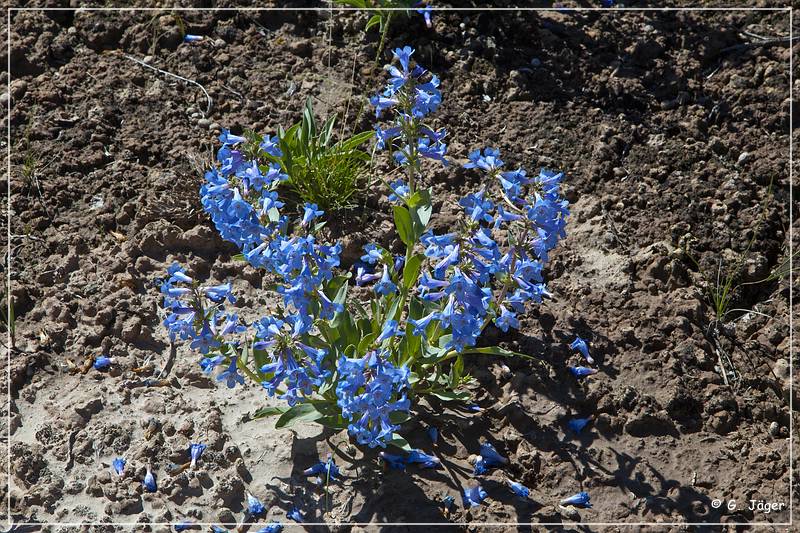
322	171
7	316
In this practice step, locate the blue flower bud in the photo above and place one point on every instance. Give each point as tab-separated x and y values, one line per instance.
102	362
189	38
581	499
474	496
295	514
118	465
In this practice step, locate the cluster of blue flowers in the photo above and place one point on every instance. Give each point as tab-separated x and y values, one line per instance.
369	390
311	348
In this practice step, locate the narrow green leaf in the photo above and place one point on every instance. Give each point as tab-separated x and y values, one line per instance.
269	411
374	20
411	270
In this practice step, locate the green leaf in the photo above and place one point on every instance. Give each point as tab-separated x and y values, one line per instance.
411	270
399	442
402	221
420	210
451	396
456	371
239	257
374	20
301	412
269	411
355	141
496	350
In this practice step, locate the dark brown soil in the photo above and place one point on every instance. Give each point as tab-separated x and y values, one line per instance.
673	133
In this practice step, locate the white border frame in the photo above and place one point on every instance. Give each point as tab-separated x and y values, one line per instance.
11	524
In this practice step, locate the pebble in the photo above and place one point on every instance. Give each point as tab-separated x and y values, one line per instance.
148	59
4	99
744	157
775	429
220	43
204	123
215	127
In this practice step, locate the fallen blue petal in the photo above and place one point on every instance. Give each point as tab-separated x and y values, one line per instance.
189	38
490	455
102	362
254	505
422	458
119	465
398	462
196	450
581	499
474	496
150	481
519	489
581	345
582	371
577	424
183	526
295	514
273	527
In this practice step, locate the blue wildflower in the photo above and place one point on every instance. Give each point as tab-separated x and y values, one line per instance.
150	481
310	212
385	286
119	465
295	514
328	468
228	138
519	489
219	293
399	191
183	526
474	496
208	364
231	376
101	362
254	505
389	331
196	450
506	320
581	499
489	160
580	345
270	146
373	255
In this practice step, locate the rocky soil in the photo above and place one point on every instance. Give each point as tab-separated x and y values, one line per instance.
673	131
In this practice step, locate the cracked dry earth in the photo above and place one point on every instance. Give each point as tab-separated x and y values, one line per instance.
670	130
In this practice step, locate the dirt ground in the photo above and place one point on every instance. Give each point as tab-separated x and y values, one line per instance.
673	132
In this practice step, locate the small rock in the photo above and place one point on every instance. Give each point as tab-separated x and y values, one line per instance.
204	123
220	43
717	146
775	429
744	157
301	48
